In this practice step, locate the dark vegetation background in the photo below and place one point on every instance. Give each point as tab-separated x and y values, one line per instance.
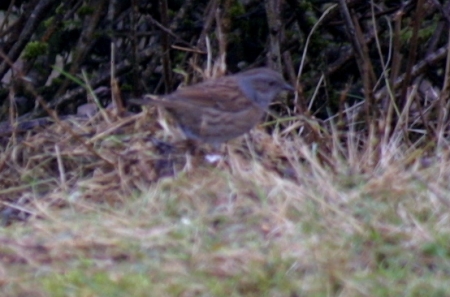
385	58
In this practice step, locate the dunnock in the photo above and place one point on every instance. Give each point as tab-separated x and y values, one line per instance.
218	110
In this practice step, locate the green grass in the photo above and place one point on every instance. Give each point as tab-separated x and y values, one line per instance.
238	228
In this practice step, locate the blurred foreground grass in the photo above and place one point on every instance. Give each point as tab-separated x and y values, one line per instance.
239	228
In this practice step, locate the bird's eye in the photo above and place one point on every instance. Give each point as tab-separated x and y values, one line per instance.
271	83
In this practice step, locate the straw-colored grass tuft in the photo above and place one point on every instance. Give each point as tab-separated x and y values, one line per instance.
275	216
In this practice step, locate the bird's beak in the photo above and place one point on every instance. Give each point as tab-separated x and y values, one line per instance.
288	87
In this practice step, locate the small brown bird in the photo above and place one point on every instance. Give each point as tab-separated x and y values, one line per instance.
217	110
